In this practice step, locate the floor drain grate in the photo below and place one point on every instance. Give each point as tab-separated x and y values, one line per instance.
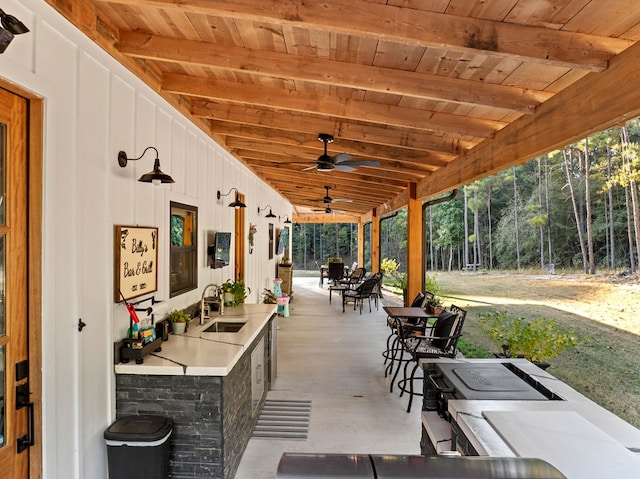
282	419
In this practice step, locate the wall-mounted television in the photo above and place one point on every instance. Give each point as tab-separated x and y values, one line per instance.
218	249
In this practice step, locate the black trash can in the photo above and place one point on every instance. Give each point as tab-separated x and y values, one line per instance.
138	447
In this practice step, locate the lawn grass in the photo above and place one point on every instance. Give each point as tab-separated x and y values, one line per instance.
605	366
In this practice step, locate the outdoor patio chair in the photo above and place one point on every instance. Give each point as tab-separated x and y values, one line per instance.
376	294
323	273
358	295
401	328
335	273
418	302
355	278
441	343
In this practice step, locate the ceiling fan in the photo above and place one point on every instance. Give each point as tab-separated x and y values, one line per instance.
328	209
341	161
328	200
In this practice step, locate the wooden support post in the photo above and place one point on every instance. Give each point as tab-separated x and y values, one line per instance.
415	241
375	241
360	244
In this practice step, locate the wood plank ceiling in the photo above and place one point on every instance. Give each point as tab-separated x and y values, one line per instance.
433	92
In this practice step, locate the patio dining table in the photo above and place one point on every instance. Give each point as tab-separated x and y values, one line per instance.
418	314
408	312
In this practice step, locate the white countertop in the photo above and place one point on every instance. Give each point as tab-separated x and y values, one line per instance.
198	353
564	433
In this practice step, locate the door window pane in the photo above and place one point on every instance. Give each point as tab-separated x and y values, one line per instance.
3	156
2	295
2	389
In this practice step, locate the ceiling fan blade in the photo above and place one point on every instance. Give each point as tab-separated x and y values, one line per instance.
345	168
341	158
364	163
309	168
341	200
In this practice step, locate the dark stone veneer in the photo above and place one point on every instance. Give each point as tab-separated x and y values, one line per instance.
213	417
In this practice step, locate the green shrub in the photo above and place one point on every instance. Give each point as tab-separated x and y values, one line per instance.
389	266
398	279
470	350
537	340
431	285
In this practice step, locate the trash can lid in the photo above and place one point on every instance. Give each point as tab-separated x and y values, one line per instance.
143	428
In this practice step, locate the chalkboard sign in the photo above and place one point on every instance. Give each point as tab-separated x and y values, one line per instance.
136	261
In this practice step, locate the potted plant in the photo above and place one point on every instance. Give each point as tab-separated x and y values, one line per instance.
269	297
285	261
178	320
234	292
434	305
537	340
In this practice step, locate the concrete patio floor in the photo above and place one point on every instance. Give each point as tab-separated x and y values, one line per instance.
334	359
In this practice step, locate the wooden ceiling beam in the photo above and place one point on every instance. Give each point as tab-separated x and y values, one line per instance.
341	128
407	174
415	27
330	72
325	218
278	98
595	103
337	189
371	176
321	178
343	182
300	143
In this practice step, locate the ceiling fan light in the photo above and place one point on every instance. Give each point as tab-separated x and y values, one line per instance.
325	167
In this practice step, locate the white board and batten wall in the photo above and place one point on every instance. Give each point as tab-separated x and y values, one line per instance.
94	107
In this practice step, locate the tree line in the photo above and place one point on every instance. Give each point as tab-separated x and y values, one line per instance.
572	208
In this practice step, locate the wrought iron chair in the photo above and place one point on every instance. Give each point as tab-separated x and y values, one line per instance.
355	278
441	343
358	295
335	272
395	353
418	302
323	273
376	294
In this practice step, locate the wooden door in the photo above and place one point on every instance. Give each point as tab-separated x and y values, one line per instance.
16	408
239	240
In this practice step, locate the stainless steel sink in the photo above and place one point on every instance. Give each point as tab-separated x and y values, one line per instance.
224	327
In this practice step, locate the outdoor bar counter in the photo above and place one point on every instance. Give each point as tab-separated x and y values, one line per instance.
212	384
576	435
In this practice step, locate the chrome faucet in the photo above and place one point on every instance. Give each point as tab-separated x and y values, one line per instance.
204	301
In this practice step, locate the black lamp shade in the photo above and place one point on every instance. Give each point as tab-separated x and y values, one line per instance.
156	176
237	203
12	24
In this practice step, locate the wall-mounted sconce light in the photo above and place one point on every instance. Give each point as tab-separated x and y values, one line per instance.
268	215
287	221
236	203
156	176
10	26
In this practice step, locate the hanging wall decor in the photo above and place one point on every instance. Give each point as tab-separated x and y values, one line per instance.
252	231
136	261
270	240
